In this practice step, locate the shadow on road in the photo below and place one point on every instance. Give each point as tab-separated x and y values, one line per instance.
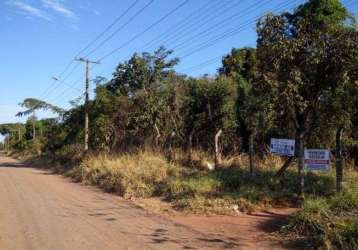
12	165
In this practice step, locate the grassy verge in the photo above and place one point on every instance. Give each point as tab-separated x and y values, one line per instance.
329	222
192	187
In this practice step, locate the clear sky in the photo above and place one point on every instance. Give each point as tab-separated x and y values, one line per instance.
40	37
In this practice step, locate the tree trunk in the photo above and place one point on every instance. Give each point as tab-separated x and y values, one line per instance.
301	161
218	159
34	127
158	135
33	130
285	166
172	155
339	161
19	131
190	145
251	153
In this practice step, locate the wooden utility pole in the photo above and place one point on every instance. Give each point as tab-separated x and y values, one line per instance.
86	129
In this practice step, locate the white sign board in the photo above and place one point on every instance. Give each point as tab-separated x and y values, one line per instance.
282	147
317	159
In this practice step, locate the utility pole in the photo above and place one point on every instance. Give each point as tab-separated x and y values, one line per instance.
87	62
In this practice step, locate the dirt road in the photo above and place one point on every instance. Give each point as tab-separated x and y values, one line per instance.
39	210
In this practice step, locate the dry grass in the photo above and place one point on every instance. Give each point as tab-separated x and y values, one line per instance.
190	186
140	175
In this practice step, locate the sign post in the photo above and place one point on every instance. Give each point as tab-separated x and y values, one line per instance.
283	147
317	159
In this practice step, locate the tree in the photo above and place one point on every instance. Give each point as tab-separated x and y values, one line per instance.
142	72
141	83
13	133
208	107
252	111
339	106
297	56
32	105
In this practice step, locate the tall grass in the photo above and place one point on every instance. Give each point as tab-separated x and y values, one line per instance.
191	186
328	223
140	175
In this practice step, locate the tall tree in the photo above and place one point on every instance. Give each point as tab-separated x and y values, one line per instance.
252	110
297	56
142	72
32	105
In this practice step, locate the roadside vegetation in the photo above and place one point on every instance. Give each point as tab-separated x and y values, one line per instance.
201	144
329	223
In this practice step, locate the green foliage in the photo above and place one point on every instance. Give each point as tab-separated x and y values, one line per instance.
234	186
322	12
142	72
208	106
298	59
32	104
329	223
253	108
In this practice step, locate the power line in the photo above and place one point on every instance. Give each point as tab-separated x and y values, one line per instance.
176	28
202	22
157	22
119	18
108	27
229	33
241	28
223	23
146	30
189	20
120	28
143	32
203	64
72	85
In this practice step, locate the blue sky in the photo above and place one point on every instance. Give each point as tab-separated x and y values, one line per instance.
40	37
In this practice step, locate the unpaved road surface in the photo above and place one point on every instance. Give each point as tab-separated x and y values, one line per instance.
39	210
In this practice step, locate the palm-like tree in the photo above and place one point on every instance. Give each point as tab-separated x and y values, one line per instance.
32	105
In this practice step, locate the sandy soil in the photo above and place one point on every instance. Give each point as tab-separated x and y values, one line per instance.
39	210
